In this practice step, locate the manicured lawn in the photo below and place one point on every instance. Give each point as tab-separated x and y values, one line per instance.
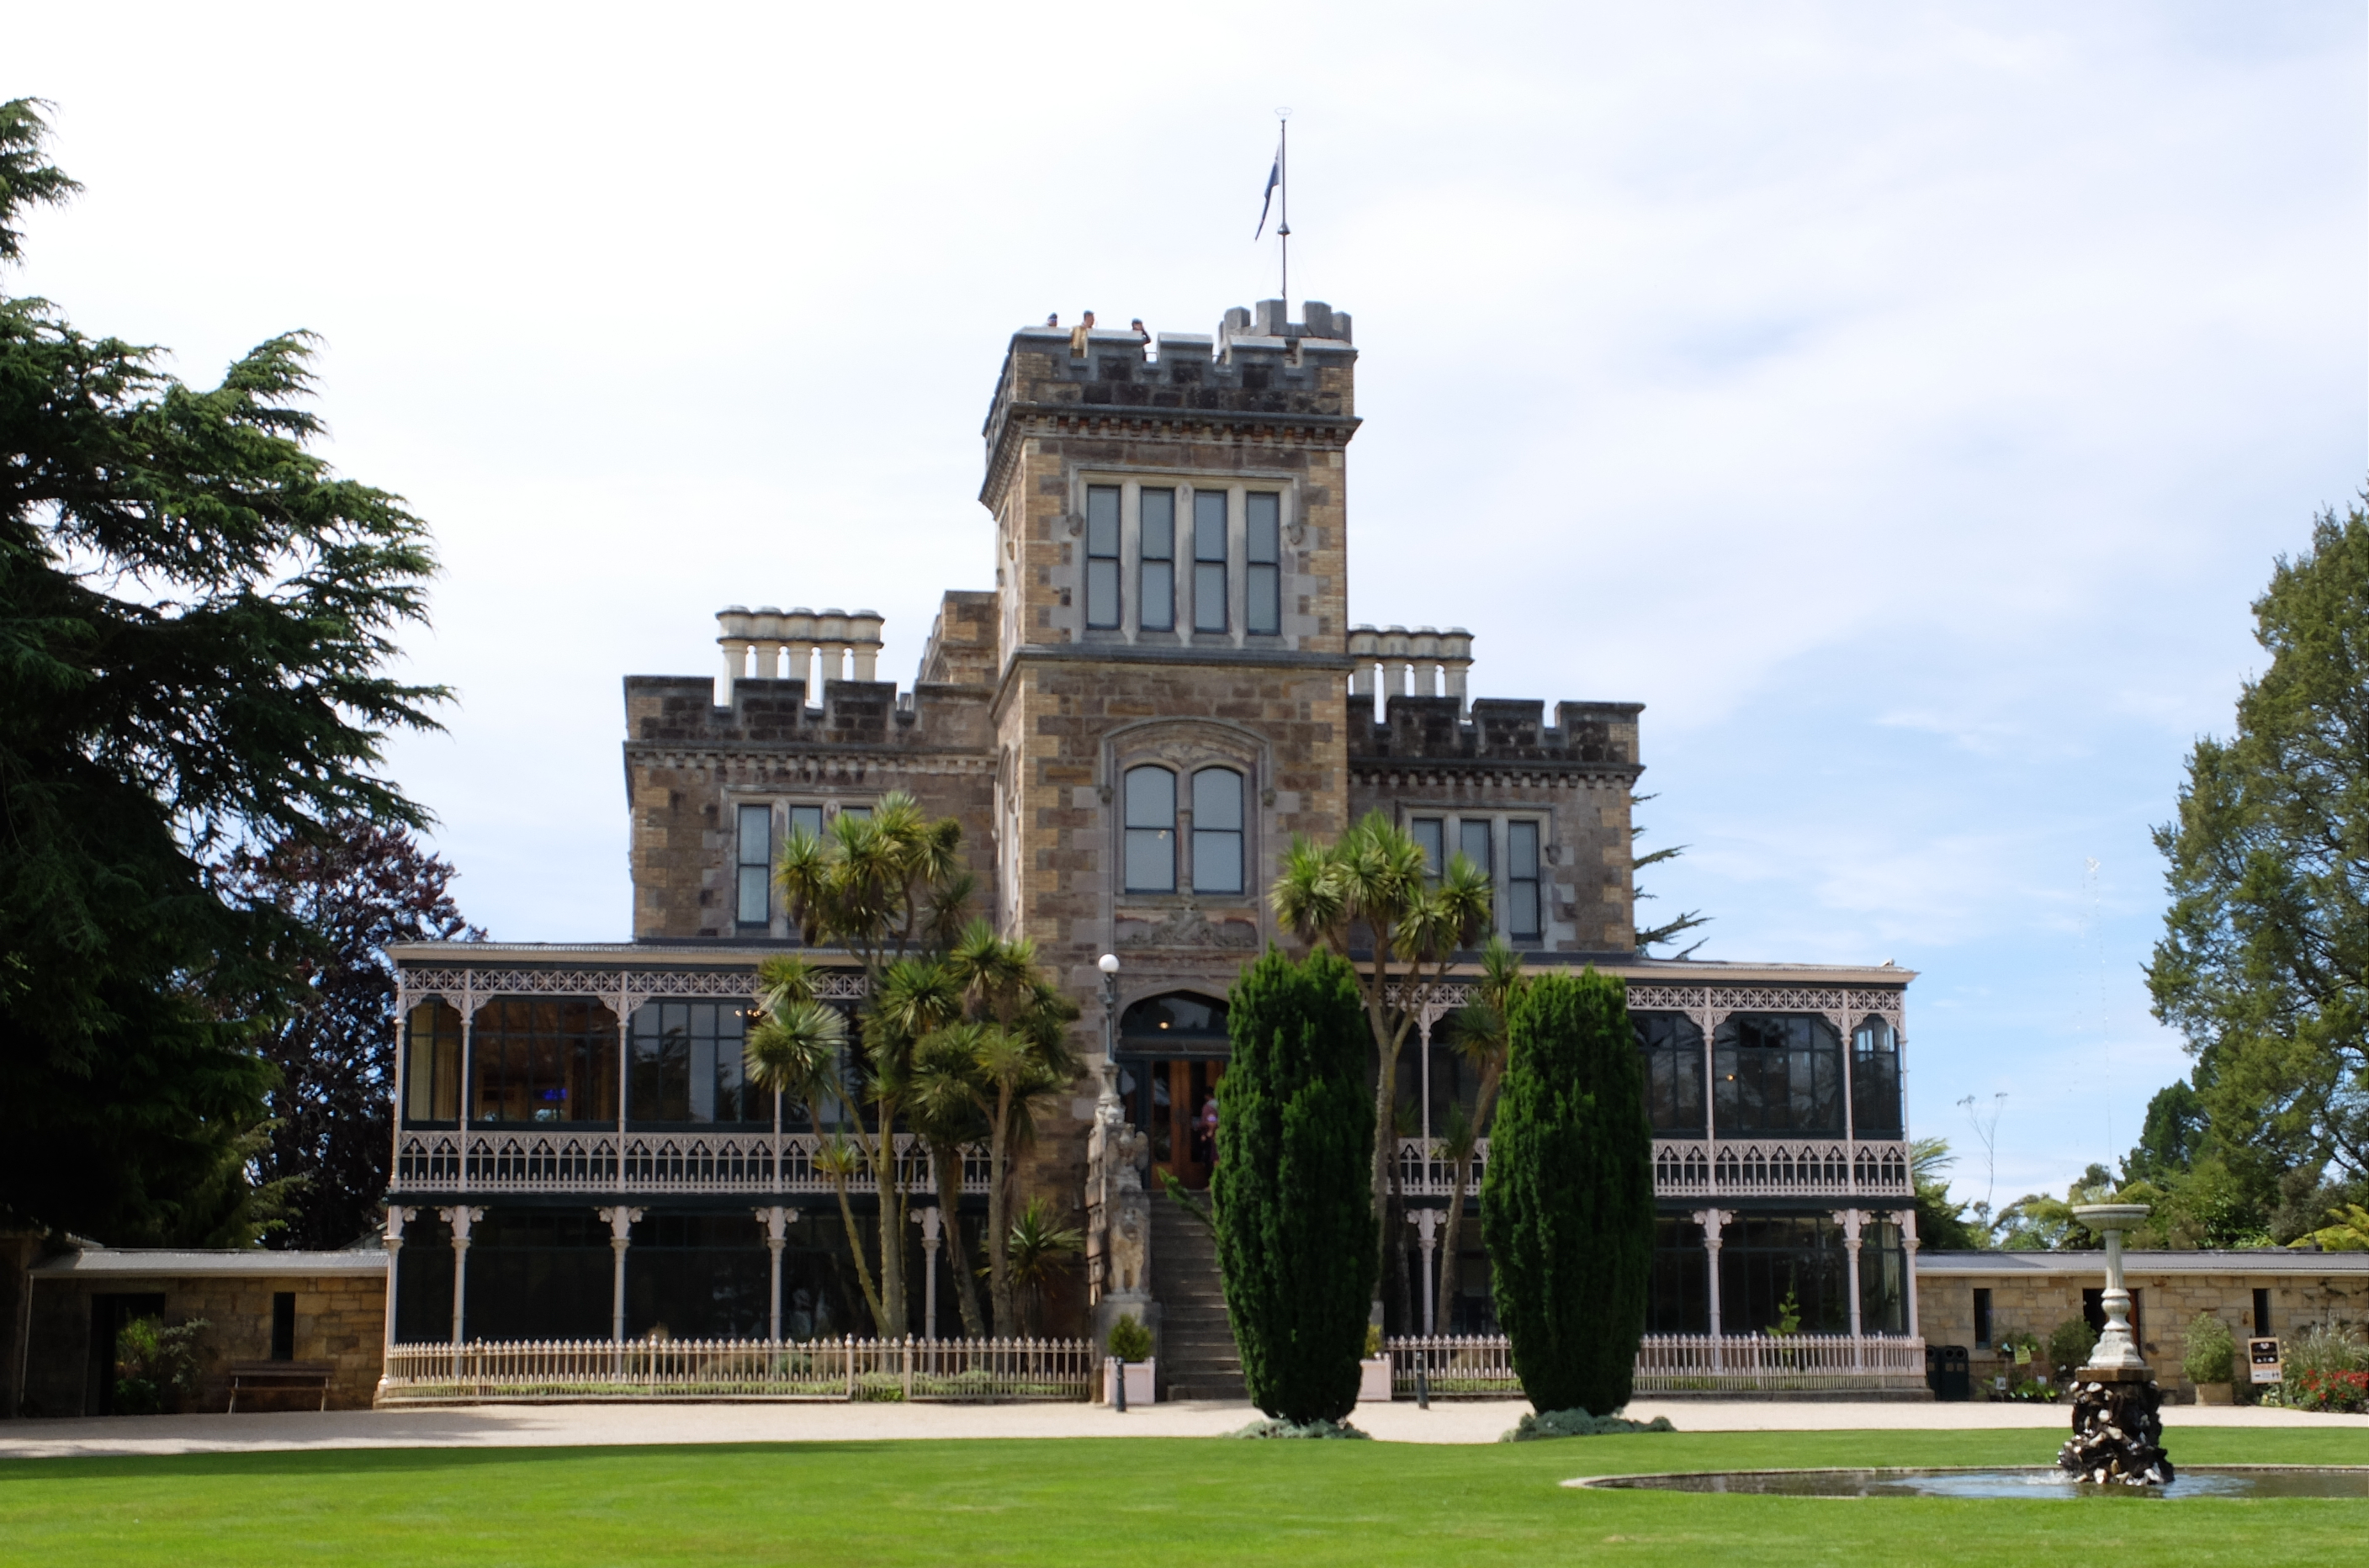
1178	1502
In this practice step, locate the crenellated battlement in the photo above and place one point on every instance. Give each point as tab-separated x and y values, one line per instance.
1259	368
1497	729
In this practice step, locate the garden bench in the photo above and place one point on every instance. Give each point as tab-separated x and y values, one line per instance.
249	1376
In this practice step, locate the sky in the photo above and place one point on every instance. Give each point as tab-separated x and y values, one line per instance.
1904	402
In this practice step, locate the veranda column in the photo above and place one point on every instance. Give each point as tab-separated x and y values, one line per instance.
1850	1219
621	1221
395	1216
1428	1222
928	1219
1711	1220
460	1217
1908	1244
777	1222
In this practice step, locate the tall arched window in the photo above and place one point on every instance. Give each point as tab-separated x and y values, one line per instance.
1151	830
1673	1044
1217	831
431	1069
1875	1080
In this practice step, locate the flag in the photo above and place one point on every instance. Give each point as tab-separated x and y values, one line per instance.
1273	179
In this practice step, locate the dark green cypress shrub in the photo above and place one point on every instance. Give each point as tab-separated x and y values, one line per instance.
1567	1200
1293	1187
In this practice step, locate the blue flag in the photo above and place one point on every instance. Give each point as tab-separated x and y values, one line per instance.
1273	179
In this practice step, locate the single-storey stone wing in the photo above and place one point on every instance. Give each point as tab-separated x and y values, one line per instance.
310	1318
1980	1299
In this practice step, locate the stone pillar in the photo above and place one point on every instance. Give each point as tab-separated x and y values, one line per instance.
928	1219
777	1222
621	1220
1712	1221
1850	1219
461	1219
1428	1222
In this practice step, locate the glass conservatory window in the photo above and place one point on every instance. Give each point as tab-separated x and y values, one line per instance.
687	1065
543	1059
1875	1080
1151	830
1673	1044
432	1067
1777	1073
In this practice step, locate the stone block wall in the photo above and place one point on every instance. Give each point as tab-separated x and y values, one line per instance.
2168	1301
340	1319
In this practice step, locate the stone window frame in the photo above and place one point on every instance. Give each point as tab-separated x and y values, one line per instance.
1453	817
780	802
1132	480
1184	746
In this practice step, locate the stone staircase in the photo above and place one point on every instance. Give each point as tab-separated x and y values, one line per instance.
1197	1358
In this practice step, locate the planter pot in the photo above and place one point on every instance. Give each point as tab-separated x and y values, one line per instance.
2213	1393
1374	1380
1141	1386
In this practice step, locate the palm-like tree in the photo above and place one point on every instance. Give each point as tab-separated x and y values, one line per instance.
1375	877
797	1052
889	888
1478	1031
1038	1245
946	1109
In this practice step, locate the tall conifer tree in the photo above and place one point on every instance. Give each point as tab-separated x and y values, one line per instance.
1567	1200
1295	1210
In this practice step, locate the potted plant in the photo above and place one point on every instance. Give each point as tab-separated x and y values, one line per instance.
1131	1357
1374	1370
2211	1349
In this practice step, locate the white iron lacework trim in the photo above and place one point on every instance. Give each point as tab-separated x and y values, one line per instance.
1724	1167
623	990
1647	996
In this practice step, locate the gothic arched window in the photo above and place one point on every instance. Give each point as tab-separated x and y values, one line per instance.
1217	831
1151	830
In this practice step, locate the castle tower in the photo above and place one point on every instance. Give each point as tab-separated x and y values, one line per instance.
1172	578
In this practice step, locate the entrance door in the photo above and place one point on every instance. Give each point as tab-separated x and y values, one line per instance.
1175	1101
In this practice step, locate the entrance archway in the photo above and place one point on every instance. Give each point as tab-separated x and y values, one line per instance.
1172	1052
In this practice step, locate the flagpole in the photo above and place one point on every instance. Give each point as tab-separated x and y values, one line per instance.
1282	230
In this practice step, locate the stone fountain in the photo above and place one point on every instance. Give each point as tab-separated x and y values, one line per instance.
2117	1420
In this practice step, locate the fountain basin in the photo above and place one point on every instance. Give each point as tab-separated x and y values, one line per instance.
2018	1482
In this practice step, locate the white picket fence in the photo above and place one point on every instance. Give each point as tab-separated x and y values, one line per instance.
1480	1367
839	1369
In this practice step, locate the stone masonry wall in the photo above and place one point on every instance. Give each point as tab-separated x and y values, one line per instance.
688	763
1424	759
2023	1302
340	1319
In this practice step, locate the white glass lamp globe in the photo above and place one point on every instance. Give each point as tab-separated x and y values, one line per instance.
1108	964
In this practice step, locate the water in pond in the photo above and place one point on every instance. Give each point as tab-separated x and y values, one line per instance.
2200	1480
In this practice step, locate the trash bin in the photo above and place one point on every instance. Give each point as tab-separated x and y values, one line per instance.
1946	1372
